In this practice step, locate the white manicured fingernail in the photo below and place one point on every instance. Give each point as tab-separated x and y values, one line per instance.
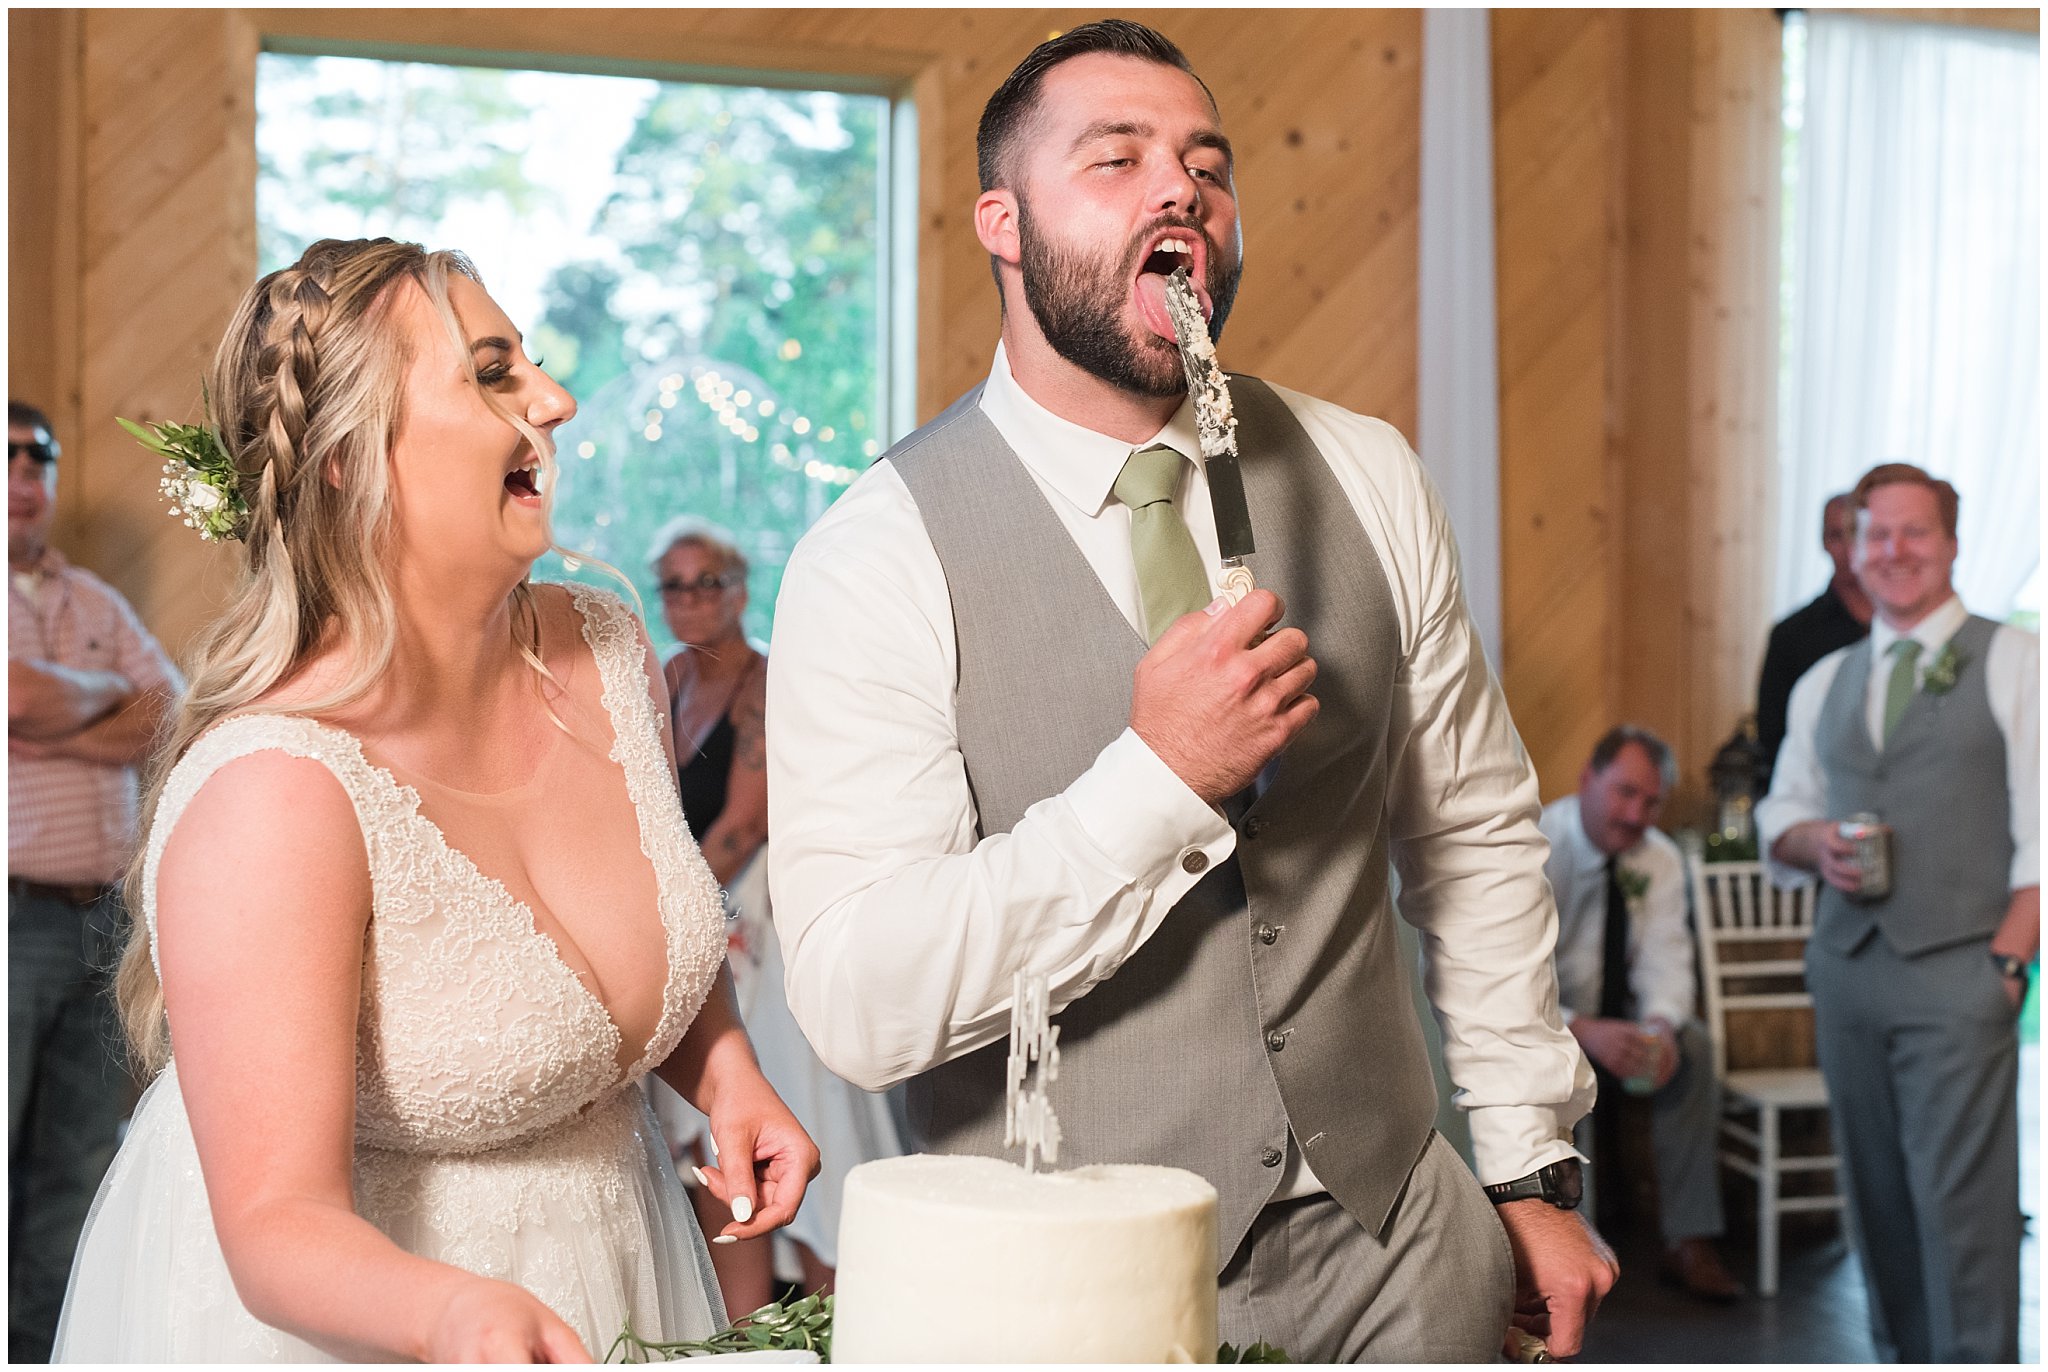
727	1238
702	1180
742	1209
1216	607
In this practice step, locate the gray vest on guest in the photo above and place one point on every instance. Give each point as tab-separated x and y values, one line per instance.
1273	997
1941	784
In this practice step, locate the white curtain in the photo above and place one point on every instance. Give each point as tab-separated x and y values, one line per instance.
1458	387
1913	320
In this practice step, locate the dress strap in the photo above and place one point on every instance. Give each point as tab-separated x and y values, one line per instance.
237	737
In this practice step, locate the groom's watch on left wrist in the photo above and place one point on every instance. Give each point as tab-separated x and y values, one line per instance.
2012	967
1561	1184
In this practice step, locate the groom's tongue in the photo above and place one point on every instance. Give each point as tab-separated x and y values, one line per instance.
1150	288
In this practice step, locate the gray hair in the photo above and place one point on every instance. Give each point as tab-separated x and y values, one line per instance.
689	528
1620	736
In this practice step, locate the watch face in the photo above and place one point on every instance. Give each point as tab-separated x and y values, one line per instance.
1563	1183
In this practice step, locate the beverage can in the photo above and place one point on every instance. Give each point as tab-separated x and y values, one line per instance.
1873	840
1645	1083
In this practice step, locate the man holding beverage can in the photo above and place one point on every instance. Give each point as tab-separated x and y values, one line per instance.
1909	783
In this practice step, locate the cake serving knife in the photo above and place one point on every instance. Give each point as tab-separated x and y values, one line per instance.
1216	424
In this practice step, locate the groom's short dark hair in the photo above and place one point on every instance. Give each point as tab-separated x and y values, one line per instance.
1011	107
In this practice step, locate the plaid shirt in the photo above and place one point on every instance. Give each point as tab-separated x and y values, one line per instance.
71	822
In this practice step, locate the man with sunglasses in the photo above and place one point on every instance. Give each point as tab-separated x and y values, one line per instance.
87	689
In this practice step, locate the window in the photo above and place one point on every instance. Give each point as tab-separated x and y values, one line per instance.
705	267
1912	286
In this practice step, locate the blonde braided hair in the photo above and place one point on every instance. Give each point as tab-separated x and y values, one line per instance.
307	388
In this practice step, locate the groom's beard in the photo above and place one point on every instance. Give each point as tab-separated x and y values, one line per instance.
1078	301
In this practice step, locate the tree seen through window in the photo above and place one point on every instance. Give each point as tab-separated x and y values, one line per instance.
701	265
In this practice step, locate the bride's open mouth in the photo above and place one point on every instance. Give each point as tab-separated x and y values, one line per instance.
523	483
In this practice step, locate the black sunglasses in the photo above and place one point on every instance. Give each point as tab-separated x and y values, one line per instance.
703	585
42	452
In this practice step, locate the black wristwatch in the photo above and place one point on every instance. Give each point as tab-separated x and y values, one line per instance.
2011	967
1561	1184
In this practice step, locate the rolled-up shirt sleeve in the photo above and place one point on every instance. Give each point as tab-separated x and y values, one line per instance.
1799	790
901	927
1463	810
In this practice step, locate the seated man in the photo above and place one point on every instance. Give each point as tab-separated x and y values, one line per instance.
1625	984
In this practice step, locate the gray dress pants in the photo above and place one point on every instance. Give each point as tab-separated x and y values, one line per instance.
1438	1285
1921	1058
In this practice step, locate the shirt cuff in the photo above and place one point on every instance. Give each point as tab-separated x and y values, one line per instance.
1146	821
1511	1141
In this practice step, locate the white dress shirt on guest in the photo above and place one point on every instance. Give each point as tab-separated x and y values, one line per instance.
1660	952
2012	678
902	932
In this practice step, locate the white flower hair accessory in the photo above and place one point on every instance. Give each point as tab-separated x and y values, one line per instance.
199	477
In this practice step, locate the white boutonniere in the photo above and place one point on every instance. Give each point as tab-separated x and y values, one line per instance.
1941	673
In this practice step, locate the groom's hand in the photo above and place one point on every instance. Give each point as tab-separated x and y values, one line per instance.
1215	700
1563	1268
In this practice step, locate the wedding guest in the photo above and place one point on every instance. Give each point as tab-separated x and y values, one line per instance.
1015	729
88	688
717	684
416	910
1837	617
1918	970
1625	984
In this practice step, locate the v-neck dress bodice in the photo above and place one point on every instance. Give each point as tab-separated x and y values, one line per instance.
495	1127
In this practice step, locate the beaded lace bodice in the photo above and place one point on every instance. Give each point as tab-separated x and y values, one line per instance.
473	1032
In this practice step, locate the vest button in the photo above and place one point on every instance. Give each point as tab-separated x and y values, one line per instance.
1194	860
1271	1157
1254	827
1276	1040
1266	932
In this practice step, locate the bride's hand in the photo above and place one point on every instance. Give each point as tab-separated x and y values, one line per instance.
495	1321
765	1160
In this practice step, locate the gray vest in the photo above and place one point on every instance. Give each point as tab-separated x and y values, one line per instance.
1941	784
1273	997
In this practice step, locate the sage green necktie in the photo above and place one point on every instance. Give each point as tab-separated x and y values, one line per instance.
1171	581
1898	692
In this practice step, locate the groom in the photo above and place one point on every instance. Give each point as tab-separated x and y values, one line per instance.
1011	731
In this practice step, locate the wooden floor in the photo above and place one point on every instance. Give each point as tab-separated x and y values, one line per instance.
1819	1314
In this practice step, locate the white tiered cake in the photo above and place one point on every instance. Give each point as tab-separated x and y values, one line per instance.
963	1259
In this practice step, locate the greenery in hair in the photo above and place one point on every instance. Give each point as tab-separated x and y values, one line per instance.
199	478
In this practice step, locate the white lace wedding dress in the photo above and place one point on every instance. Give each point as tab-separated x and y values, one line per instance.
495	1129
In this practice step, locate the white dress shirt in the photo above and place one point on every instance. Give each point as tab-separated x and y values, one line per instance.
2012	678
902	932
1660	953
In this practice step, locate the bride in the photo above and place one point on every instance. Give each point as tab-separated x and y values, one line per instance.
417	907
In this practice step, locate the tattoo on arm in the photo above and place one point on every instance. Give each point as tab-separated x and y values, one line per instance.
750	727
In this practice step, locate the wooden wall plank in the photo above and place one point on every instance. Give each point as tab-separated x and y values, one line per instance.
1554	148
44	96
1636	158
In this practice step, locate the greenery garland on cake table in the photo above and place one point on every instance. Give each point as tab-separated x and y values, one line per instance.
806	1326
